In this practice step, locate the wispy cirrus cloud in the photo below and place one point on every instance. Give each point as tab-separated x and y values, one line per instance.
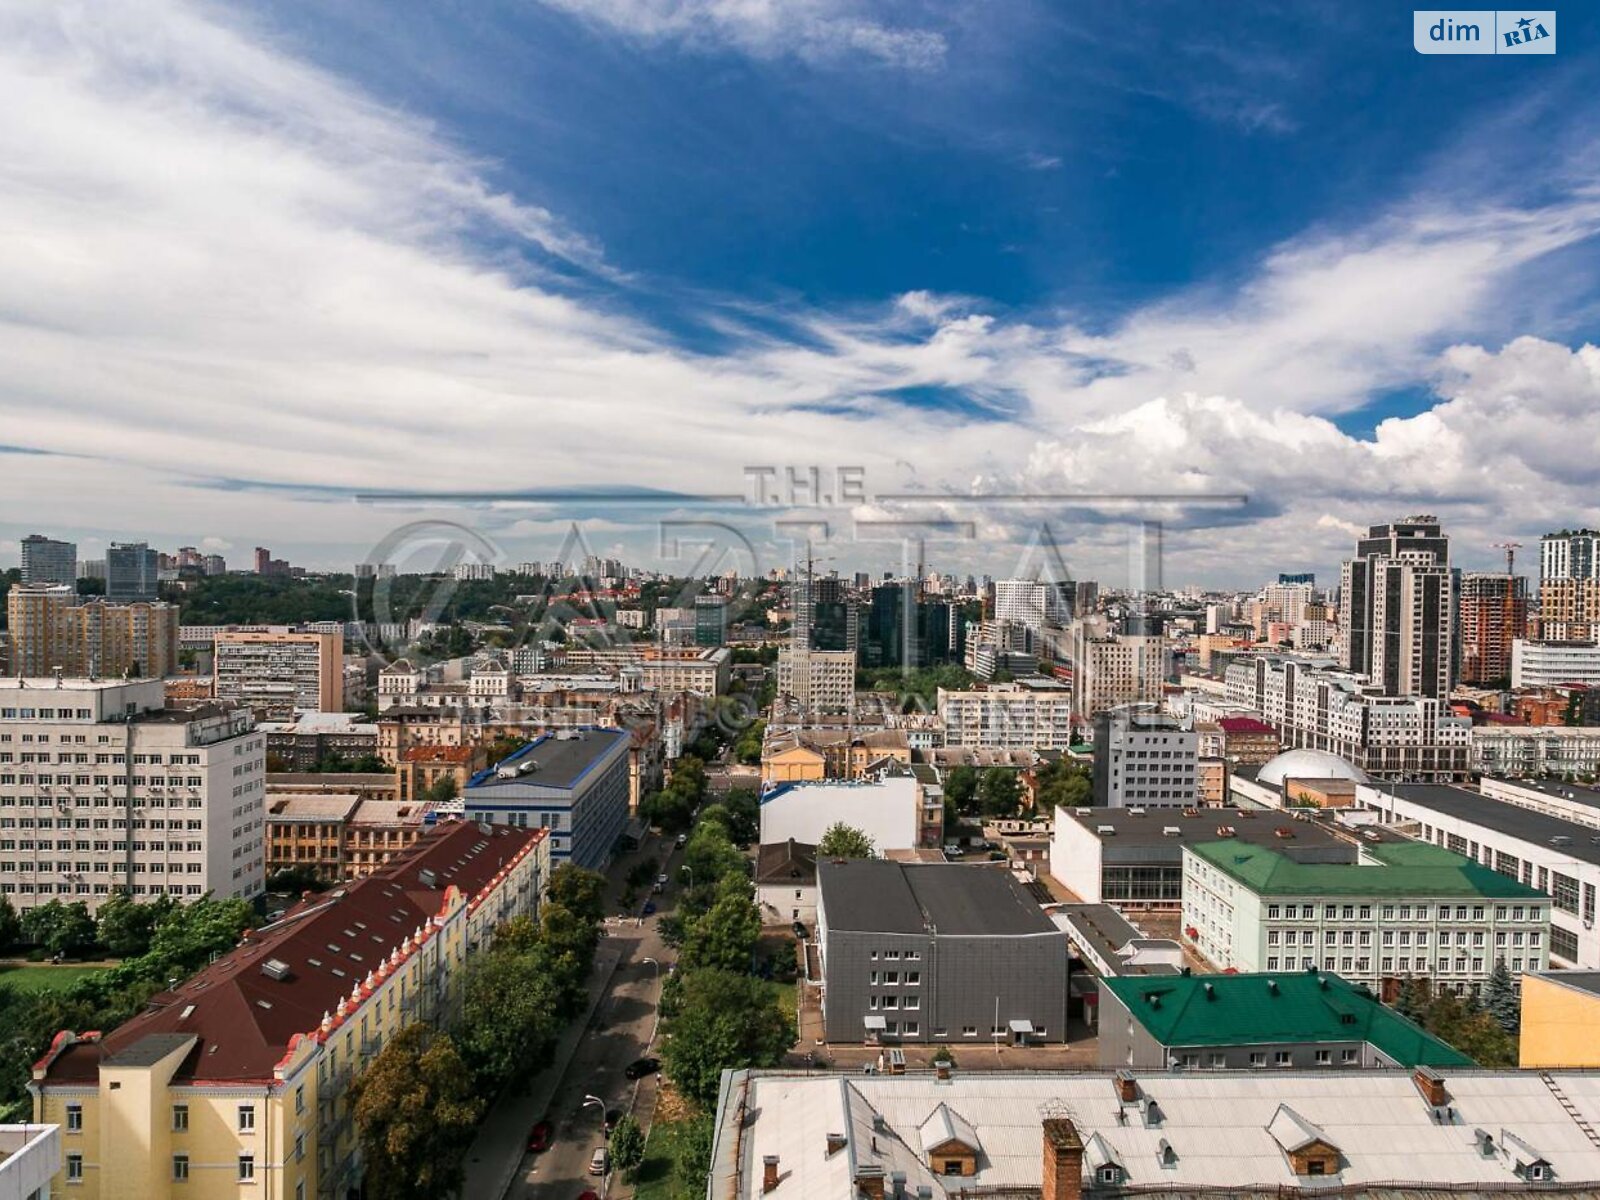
223	264
815	31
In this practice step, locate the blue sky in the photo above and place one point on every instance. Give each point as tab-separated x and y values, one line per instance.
270	258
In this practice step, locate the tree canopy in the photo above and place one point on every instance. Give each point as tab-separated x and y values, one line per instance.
845	841
415	1112
723	1020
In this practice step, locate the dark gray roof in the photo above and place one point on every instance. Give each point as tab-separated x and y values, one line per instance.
1144	838
148	1050
562	761
878	896
786	862
1105	930
1504	817
1583	981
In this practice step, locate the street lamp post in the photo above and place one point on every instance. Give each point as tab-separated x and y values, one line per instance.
605	1179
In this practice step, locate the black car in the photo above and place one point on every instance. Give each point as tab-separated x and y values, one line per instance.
799	928
640	1067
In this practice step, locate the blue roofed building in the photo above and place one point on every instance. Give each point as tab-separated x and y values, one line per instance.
573	782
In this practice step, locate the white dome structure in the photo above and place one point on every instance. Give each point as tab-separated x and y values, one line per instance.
1308	764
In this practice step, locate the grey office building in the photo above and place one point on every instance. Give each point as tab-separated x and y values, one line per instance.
937	952
45	560
132	571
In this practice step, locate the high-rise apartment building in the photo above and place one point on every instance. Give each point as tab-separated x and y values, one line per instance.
1494	614
1396	607
1113	669
132	571
97	777
278	673
819	681
45	560
1569	585
54	629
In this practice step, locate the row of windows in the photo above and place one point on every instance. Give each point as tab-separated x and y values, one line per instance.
1403	912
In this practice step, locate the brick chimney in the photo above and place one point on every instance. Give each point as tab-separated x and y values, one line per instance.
869	1181
769	1173
1431	1084
941	1070
836	1143
1063	1161
1127	1087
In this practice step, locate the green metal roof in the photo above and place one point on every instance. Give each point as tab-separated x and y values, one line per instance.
1399	869
1297	1006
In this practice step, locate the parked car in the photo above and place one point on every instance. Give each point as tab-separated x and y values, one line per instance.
640	1067
683	839
539	1137
799	928
600	1161
661	883
588	1195
613	1115
649	907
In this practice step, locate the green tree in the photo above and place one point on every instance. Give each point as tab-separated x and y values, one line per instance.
999	792
748	748
415	1114
580	892
510	1015
845	841
744	815
442	790
1500	999
60	928
10	923
125	928
627	1146
722	1020
1064	784
960	786
1412	1000
725	935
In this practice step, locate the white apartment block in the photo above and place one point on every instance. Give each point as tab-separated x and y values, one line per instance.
1559	857
821	681
1536	750
1011	715
96	773
1417	911
1411	737
1553	664
1022	601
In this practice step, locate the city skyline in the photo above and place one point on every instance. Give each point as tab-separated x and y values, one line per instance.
1013	293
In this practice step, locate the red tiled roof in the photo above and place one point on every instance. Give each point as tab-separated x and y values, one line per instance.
1245	725
245	1020
457	754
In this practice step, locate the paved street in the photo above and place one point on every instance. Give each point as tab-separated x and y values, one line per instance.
620	1031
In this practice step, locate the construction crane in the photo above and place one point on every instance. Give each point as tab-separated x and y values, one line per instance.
1511	549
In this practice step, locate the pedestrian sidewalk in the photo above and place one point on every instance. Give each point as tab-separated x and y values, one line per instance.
497	1152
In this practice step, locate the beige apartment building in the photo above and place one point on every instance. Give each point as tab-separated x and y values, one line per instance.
279	673
54	629
234	1082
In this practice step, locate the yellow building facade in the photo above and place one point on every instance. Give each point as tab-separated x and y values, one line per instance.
234	1082
1560	1020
